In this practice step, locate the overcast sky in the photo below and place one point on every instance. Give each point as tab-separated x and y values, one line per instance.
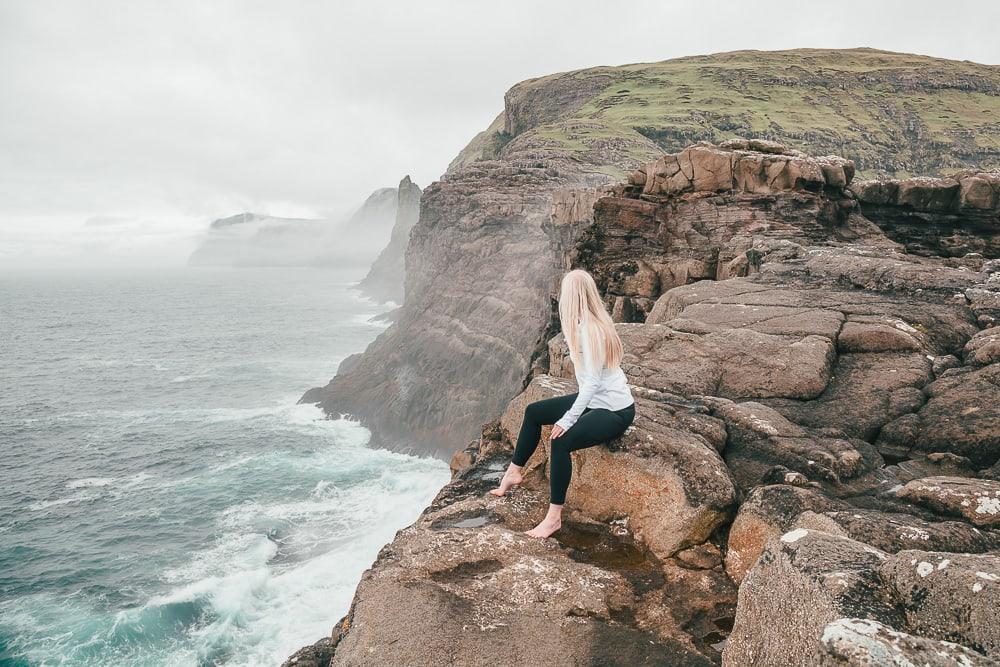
125	127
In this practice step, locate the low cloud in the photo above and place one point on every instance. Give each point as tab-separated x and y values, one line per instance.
151	119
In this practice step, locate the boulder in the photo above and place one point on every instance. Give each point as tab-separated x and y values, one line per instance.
948	596
961	416
541	387
732	363
803	581
767	512
876	191
773	510
865	392
665	474
973	499
979	191
760	439
928	194
859	642
983	348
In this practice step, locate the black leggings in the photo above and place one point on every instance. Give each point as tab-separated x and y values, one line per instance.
595	425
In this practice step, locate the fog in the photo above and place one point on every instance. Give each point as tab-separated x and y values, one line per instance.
126	127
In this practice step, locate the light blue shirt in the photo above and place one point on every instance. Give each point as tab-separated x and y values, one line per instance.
607	388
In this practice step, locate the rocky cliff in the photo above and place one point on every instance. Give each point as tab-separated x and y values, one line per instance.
384	280
813	476
483	257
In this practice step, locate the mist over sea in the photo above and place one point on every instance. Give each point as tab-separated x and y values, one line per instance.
163	500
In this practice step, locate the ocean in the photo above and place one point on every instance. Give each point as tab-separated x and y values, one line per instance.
163	500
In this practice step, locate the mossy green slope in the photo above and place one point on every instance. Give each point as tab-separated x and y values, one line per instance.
895	114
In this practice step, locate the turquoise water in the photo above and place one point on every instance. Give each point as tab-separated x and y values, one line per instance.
163	500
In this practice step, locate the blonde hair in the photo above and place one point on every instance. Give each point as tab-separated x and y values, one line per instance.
580	302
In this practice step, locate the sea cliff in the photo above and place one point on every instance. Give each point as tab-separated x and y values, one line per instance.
813	476
480	265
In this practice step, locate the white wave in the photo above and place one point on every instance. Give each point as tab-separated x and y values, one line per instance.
89	482
269	597
81	497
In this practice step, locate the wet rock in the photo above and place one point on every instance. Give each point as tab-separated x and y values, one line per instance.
314	655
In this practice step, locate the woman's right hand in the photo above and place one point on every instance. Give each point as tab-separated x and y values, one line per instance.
557	430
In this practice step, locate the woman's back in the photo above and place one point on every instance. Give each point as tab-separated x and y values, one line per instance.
612	391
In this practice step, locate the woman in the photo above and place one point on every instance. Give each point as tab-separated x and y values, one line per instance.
600	411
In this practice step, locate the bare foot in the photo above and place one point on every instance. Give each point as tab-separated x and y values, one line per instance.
510	478
548	526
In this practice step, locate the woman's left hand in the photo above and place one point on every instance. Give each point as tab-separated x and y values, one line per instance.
557	430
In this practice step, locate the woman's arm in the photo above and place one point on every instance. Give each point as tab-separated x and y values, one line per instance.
589	382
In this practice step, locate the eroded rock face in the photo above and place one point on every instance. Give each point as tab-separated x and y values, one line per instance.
755	166
950	216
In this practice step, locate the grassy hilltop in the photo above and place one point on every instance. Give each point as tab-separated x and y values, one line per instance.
893	113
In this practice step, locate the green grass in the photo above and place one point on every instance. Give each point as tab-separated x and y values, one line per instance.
892	113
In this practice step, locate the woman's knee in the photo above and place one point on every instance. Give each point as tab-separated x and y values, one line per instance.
533	411
560	446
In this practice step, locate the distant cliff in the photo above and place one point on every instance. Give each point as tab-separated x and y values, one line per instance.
384	281
250	239
481	263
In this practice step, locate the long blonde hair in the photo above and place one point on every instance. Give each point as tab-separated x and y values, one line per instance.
580	302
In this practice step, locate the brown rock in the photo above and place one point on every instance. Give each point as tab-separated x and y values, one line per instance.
947	596
975	500
876	191
928	194
979	191
760	438
859	642
664	474
984	347
962	416
872	335
803	581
